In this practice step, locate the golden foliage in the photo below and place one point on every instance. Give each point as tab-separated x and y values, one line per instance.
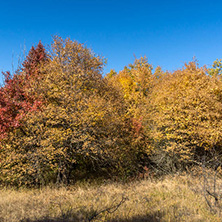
82	126
89	124
187	112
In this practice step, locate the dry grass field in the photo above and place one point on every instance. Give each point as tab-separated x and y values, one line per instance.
173	198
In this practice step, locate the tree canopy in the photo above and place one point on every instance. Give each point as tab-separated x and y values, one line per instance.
62	120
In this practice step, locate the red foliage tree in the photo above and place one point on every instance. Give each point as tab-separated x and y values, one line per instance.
15	101
35	57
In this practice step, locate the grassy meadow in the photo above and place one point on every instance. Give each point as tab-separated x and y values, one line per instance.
171	198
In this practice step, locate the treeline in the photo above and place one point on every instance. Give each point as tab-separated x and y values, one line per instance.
61	120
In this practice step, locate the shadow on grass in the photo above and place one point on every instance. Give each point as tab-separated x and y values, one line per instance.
45	219
157	216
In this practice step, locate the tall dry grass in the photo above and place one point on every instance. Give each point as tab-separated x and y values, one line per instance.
175	198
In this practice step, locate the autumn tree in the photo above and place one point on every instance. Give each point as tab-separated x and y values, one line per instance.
61	120
15	99
136	83
187	115
36	56
83	127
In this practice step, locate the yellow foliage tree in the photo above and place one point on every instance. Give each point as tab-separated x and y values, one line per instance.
136	83
82	127
187	114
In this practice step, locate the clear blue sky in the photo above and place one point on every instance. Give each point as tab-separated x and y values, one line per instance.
168	32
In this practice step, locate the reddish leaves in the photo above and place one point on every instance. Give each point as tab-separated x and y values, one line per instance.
15	101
